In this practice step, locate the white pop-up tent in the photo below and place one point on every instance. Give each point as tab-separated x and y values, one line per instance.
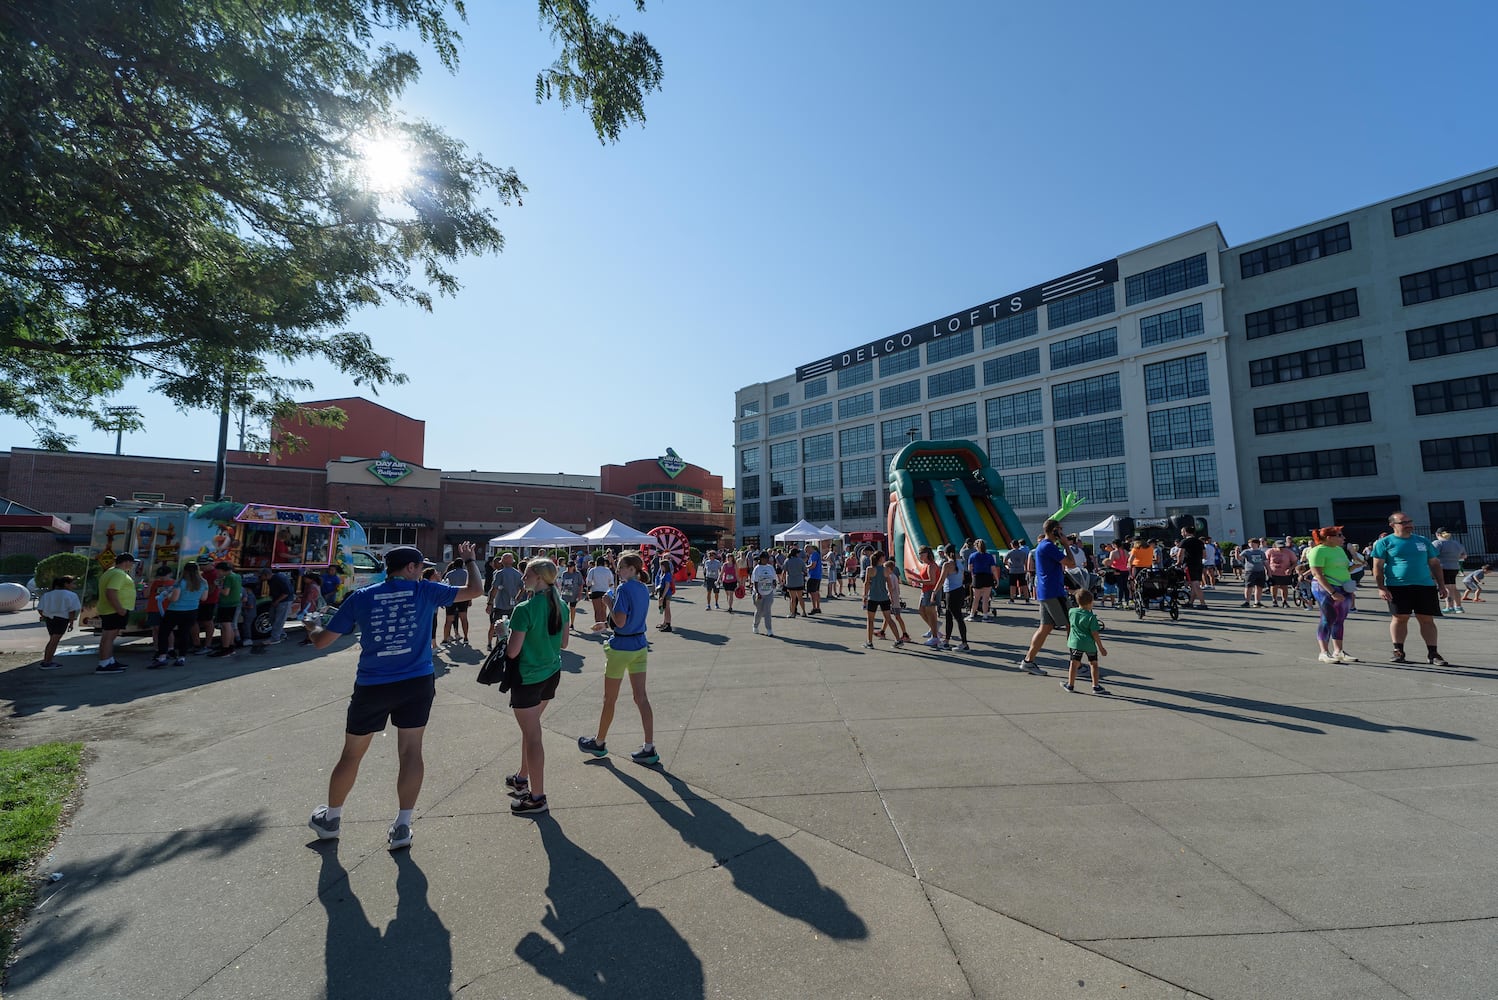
540	533
1104	531
618	533
801	531
830	533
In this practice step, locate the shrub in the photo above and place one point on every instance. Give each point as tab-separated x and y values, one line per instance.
62	564
17	563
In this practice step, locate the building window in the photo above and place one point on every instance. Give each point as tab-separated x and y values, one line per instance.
1292	367
1352	408
1454	279
1184	477
782	423
1090	441
783	484
1078	308
814	388
860	505
816	479
821	509
669	500
900	394
1026	489
1097	483
781	400
782	454
1011	328
853	375
815	416
859	472
1178	378
749	430
893	433
856	440
1305	313
1448	206
784	511
1016	451
750	409
1086	348
1291	521
1475	392
748	488
1448	514
749	513
380	534
900	361
855	406
953	345
947	383
1456	337
1475	451
1086	397
1288	253
1020	409
816	448
1159	282
1181	427
1177	324
955	421
1332	463
749	460
1011	366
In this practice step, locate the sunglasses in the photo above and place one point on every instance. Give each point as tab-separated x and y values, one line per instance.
1398	523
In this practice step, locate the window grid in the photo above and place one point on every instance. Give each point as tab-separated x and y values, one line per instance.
750	409
1287	253
859	472
947	383
1026	489
900	394
853	375
1474	392
1020	409
784	511
749	430
748	488
1086	397
954	422
1096	483
900	361
782	423
1456	337
1473	451
855	440
1016	451
783	484
1333	411
1282	521
1087	347
1089	442
1448	206
1076	308
816	448
892	433
781	399
783	453
816	416
1314	363
749	512
814	388
953	345
821	509
1181	427
1184	477
1300	315
1454	279
1449	514
1011	366
1178	378
1330	463
1011	328
816	479
749	460
1167	279
855	406
860	505
1177	324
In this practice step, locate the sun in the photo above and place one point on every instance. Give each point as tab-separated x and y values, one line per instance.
388	164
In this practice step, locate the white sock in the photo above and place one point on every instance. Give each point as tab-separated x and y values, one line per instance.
649	746
404	816
334	812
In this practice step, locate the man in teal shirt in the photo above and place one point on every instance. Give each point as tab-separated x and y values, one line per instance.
1405	566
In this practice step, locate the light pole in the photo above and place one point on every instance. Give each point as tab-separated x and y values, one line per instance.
122	415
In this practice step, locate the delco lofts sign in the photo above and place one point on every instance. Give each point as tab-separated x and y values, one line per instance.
1009	305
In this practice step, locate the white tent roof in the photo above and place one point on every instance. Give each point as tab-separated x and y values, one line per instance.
830	532
618	533
538	533
1107	529
801	531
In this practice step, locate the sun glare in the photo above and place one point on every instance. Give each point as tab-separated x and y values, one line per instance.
388	164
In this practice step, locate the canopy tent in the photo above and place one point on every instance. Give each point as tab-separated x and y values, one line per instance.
617	533
831	533
540	533
1105	530
802	531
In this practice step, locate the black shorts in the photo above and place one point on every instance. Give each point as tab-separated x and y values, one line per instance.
113	623
1449	575
982	581
1255	578
814	585
710	584
1414	600
225	614
531	695
205	612
1193	571
878	605
458	608
1281	581
497	613
407	704
57	626
596	594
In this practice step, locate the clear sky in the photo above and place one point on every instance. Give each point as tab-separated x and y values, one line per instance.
818	173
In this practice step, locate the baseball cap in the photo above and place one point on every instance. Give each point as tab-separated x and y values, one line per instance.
402	556
124	557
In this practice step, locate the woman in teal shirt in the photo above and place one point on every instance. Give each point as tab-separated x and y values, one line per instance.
538	634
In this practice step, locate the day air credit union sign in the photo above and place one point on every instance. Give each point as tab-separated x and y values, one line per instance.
388	469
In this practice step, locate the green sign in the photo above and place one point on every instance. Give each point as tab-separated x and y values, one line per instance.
388	469
671	463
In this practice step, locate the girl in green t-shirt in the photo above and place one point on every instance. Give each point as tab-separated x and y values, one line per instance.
538	634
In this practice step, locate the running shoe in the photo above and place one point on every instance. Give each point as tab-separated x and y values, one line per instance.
933	642
1398	657
1326	658
1031	667
868	645
1345	657
52	665
112	667
769	633
1098	689
899	643
1436	659
529	805
325	828
963	647
399	836
586	744
1066	687
646	754
179	662
516	783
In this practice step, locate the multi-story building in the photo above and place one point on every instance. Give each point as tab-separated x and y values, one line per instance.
1110	382
1363	375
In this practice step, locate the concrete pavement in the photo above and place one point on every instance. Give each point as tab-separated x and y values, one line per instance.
1236	820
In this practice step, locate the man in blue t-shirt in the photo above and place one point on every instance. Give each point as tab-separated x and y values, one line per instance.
814	577
1051	561
395	682
1405	570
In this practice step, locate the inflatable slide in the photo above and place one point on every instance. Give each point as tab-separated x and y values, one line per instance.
945	491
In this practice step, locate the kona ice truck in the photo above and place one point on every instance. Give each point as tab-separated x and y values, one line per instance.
256	538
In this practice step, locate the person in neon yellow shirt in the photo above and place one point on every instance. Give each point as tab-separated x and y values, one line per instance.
1330	574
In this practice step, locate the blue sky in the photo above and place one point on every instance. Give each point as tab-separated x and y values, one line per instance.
815	174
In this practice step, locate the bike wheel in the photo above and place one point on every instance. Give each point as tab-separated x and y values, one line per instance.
1174	607
1139	607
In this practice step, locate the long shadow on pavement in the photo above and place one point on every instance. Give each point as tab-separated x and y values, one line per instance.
762	867
612	947
413	957
692	635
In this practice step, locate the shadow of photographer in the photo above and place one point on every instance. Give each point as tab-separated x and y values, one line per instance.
413	957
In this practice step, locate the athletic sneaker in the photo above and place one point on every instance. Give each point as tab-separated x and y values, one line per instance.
398	837
53	665
1398	657
963	647
933	642
529	805
646	754
516	783
1097	689
112	667
900	642
1066	687
1031	667
586	744
1326	658
868	645
160	660
769	633
179	662
222	651
1436	659
1345	657
325	828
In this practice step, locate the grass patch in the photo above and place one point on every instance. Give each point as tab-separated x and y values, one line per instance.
36	787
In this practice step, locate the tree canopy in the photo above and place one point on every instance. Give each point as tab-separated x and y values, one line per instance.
184	196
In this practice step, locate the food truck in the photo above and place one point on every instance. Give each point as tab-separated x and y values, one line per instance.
256	538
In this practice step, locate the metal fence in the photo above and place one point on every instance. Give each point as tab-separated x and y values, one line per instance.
1478	542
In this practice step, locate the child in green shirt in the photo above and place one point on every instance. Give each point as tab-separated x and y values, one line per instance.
1084	637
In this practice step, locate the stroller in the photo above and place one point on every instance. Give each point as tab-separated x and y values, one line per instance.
1080	578
1161	586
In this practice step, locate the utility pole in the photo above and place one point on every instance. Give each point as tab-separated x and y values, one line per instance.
220	469
122	415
